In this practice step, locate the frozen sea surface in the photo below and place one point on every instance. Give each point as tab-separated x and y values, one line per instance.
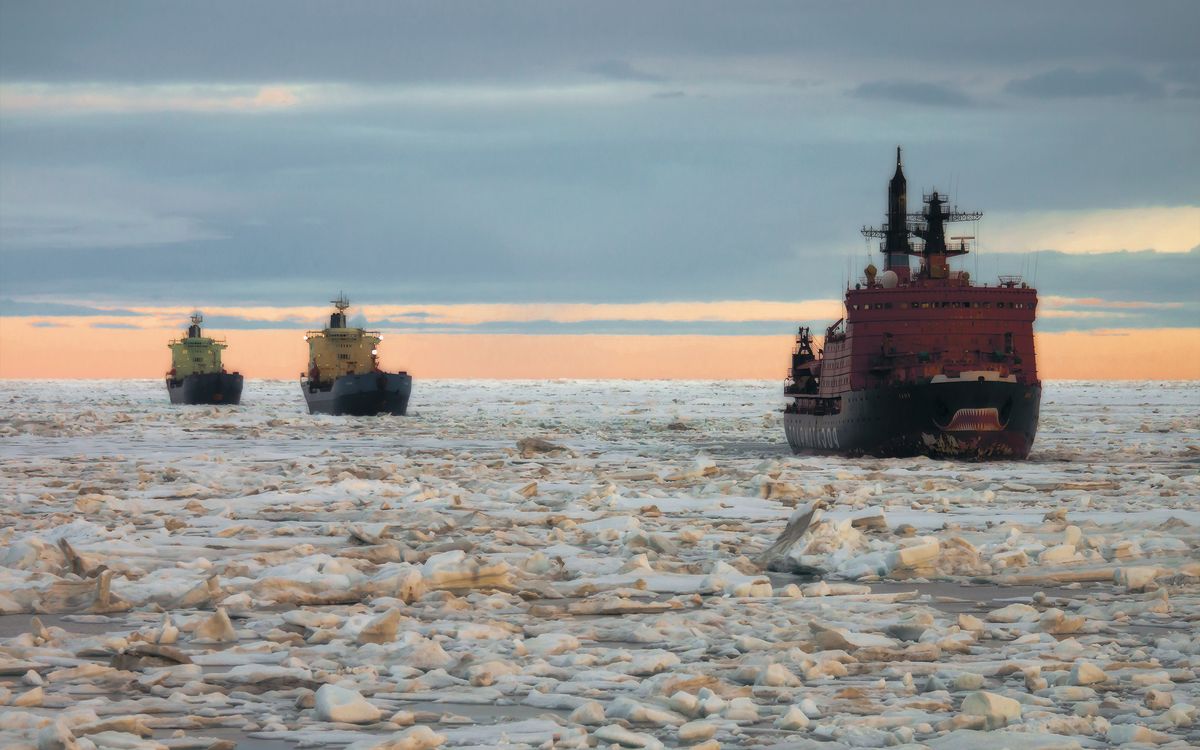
255	574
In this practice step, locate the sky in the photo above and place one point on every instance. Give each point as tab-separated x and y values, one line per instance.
581	189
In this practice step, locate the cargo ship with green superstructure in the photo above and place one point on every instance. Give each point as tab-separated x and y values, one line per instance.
197	375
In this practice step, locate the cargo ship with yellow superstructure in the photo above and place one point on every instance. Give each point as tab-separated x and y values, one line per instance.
197	375
343	374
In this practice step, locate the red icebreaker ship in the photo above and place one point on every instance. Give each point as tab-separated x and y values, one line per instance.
924	363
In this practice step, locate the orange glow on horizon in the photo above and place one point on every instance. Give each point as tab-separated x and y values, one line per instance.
76	350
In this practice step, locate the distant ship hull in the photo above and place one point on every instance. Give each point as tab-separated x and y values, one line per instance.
971	420
207	388
360	395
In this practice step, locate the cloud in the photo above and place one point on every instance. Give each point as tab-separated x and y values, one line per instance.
1058	312
622	70
913	92
80	99
1072	83
470	157
237	322
14	309
602	327
276	40
39	100
87	208
1188	73
1138	277
94	227
726	317
1185	78
1166	229
1054	301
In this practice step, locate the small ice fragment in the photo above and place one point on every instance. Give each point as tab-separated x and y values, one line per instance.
589	714
696	731
334	703
215	629
382	629
625	738
792	720
1086	673
996	710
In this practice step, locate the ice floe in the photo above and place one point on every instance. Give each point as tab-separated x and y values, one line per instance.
577	564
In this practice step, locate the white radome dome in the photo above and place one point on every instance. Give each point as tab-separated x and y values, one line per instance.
888	279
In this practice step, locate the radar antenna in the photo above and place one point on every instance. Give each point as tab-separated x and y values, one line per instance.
341	303
197	317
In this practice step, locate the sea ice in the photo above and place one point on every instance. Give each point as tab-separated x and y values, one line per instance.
422	582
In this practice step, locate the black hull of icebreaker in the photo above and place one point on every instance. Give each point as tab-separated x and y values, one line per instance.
208	388
972	420
360	395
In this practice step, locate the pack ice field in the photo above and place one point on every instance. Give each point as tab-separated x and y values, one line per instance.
588	564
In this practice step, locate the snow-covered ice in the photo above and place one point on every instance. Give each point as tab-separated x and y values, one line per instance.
581	563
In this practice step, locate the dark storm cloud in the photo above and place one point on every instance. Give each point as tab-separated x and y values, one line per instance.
916	92
1071	83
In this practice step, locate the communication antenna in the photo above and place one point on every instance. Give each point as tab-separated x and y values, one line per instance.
978	247
342	302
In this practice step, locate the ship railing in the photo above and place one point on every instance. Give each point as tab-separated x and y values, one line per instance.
816	405
361	331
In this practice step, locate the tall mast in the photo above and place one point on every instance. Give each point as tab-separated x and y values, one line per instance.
896	242
894	233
